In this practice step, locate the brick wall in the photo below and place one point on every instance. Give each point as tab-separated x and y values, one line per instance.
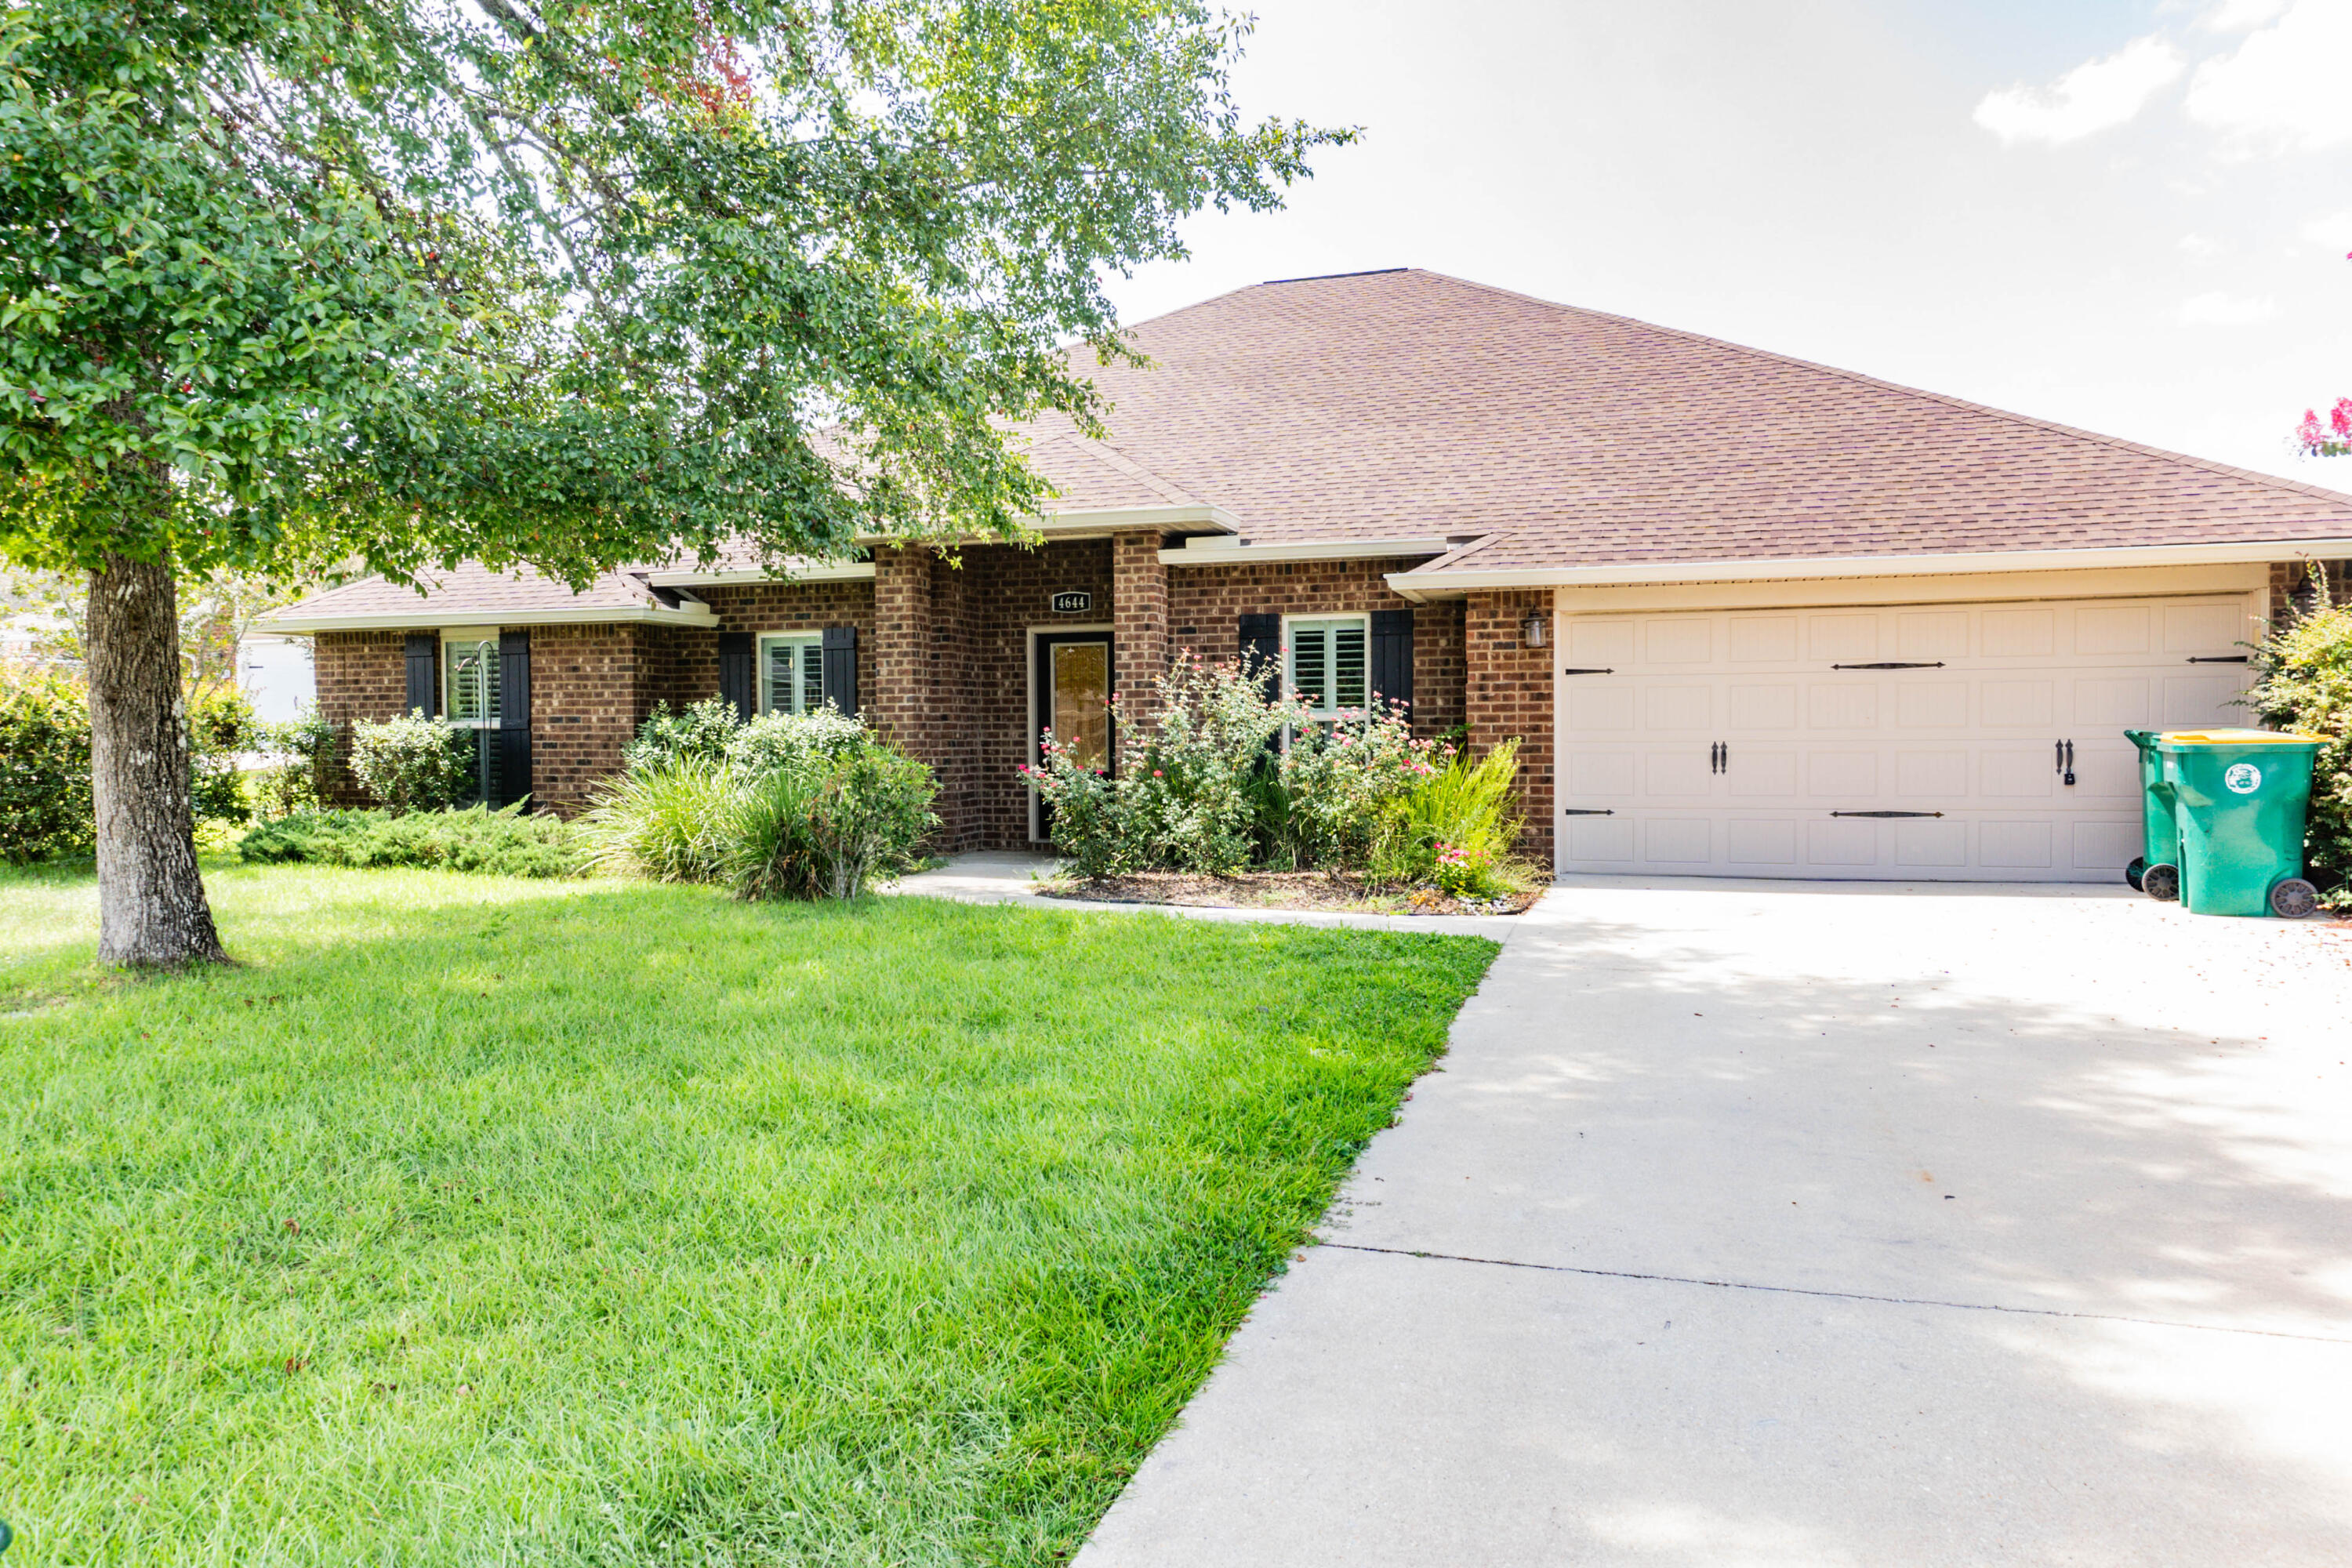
1508	692
1139	643
690	664
1205	605
590	686
360	675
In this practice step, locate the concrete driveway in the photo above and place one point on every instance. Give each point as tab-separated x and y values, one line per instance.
1795	1223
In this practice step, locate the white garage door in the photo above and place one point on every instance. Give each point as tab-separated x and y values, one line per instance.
1911	742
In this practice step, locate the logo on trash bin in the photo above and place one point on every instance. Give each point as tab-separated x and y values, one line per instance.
2244	778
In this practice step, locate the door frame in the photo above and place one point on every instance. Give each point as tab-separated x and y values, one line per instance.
1041	640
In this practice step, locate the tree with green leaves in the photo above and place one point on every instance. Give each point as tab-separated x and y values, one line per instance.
288	283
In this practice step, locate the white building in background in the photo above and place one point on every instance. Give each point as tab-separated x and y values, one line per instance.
277	675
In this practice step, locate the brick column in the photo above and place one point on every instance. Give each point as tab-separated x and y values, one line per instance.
901	708
1508	692
1139	602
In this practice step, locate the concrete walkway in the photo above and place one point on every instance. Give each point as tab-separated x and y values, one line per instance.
995	877
1778	1223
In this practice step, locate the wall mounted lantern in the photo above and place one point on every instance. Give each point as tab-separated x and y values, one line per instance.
1533	629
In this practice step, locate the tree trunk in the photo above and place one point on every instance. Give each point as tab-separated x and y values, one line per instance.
152	912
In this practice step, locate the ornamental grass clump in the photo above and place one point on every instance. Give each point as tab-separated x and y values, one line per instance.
2304	683
1456	827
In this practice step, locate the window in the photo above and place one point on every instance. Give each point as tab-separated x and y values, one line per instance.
791	673
1328	662
469	677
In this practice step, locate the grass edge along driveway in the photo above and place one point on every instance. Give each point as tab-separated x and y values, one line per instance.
475	1221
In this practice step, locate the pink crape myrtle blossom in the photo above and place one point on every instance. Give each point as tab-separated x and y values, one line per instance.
2330	439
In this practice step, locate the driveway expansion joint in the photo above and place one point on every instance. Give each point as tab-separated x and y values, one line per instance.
1835	1295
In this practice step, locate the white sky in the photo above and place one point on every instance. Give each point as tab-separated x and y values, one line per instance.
2127	215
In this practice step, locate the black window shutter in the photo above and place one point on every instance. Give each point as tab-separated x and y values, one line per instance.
841	668
423	691
1261	650
514	716
739	681
1392	654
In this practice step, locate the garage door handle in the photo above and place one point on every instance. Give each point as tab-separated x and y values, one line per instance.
2218	657
1895	665
1886	814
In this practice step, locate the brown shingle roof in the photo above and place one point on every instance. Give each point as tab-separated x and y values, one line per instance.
471	588
1410	403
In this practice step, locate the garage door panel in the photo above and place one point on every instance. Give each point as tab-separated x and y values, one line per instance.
1754	707
1931	635
1723	743
1760	773
1683	774
1837	638
1931	846
2118	628
1752	842
2016	704
1841	705
1931	705
1762	639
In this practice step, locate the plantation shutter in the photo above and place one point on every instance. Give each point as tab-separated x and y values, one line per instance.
1393	656
739	675
1261	650
423	691
514	717
841	668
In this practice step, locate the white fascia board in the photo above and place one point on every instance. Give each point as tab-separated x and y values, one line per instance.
830	572
1411	584
425	617
1224	553
1093	525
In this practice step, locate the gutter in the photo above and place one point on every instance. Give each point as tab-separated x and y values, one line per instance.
1242	552
692	613
821	572
1419	586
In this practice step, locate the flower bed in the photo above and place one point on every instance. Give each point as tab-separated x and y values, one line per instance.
1339	891
1233	778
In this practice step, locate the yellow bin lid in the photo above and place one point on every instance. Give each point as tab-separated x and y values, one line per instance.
2232	737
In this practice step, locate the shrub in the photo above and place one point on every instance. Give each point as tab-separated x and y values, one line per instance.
413	763
822	827
1454	827
702	730
670	820
497	843
45	786
221	732
793	740
1231	778
2304	681
304	746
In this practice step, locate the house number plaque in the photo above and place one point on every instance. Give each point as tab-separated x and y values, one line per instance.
1073	603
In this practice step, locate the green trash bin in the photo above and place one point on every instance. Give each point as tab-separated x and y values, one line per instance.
2159	834
2235	801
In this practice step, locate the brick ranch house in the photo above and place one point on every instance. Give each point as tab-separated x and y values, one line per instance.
1749	615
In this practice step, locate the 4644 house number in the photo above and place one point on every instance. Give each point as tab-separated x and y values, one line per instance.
1073	603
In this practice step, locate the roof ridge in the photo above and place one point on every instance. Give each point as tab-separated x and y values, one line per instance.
2034	421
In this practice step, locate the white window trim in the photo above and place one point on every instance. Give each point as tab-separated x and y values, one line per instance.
1290	652
449	667
768	640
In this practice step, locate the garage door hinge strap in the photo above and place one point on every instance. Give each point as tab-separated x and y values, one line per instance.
1584	811
1886	814
1893	665
2218	659
1609	671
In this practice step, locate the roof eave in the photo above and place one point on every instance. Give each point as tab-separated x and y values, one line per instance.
1223	553
829	572
1095	522
1422	582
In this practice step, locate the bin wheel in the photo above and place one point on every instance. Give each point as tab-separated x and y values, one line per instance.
2161	883
2132	871
2292	898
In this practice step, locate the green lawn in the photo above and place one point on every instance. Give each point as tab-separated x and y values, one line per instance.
475	1221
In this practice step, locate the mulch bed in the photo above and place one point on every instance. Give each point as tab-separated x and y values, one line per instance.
1335	891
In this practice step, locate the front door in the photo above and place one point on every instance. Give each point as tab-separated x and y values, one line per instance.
1072	701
